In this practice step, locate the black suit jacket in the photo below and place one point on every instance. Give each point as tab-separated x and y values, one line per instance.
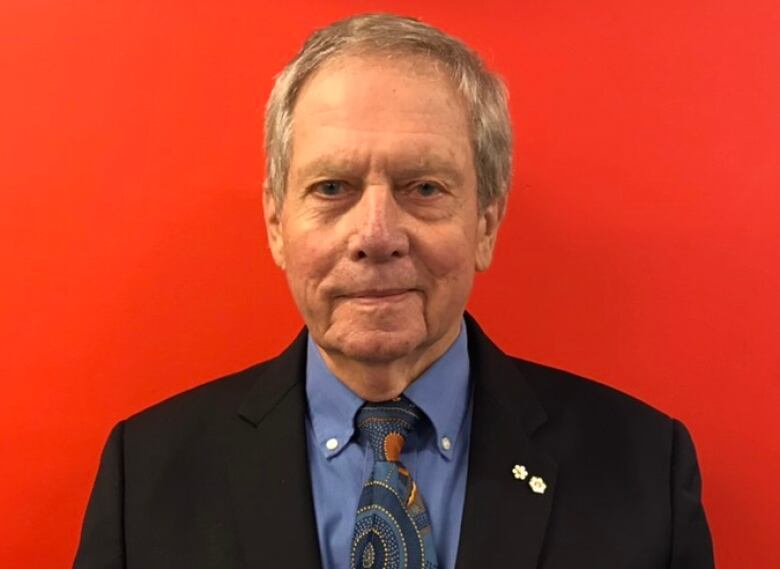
217	477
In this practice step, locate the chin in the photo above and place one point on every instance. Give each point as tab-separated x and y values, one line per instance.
374	346
378	350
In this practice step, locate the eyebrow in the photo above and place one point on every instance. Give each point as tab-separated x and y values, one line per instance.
337	166
327	166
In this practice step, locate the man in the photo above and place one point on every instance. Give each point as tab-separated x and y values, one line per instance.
392	432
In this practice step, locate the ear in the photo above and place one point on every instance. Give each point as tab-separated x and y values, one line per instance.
273	227
490	218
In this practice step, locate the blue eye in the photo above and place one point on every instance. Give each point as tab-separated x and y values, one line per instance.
330	188
427	189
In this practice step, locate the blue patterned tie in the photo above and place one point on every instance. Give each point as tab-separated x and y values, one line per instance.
392	527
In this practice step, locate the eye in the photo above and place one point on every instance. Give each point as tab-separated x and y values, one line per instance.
329	188
427	189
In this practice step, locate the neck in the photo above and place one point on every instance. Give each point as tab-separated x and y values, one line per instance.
382	381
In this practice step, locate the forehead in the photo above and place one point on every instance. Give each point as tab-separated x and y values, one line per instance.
404	104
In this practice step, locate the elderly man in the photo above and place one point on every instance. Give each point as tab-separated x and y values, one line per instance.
392	433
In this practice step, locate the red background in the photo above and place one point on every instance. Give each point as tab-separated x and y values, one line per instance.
642	246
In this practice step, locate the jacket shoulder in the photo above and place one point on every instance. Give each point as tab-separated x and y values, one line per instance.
581	402
191	421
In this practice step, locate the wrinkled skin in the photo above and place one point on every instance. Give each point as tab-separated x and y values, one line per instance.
380	232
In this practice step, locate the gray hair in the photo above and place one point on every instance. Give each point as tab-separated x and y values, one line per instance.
483	92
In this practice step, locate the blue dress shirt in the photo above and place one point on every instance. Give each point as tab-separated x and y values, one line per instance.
436	455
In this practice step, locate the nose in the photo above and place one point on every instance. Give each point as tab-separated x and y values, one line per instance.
379	234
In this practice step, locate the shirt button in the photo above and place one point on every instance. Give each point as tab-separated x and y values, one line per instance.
446	443
332	444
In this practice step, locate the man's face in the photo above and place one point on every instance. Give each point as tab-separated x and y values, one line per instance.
380	231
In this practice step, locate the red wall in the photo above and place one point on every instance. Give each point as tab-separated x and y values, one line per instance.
642	245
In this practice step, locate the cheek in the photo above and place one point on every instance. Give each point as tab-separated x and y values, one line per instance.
449	256
449	264
308	260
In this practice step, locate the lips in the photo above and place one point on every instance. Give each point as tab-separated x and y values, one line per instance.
382	293
378	296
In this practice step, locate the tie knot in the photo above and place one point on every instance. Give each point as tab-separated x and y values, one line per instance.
387	425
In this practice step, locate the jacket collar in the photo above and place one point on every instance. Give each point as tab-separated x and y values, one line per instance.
276	379
504	519
268	473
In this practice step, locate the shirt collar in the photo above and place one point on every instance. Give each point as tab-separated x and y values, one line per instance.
442	392
332	405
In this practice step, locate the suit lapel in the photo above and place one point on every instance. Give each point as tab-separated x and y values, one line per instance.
504	520
268	468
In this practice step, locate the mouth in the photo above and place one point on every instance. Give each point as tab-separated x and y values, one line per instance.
376	296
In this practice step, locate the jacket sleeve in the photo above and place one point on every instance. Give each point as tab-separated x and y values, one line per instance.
102	536
691	542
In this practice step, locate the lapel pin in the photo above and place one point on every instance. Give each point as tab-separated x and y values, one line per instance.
519	472
537	484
